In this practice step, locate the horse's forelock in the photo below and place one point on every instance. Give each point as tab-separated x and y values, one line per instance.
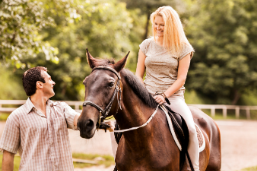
103	62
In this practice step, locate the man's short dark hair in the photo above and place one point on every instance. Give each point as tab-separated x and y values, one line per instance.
30	78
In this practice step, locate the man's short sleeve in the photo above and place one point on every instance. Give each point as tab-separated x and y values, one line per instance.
10	139
69	114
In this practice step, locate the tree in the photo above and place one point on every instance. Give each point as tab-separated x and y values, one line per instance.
101	26
20	24
148	6
223	34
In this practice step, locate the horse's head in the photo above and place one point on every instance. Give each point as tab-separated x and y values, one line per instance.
101	90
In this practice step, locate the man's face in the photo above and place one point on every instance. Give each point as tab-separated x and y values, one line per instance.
48	85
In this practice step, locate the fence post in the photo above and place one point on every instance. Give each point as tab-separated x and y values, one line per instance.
248	113
76	106
213	111
225	112
237	112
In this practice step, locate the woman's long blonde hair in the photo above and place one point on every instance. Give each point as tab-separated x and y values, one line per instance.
174	36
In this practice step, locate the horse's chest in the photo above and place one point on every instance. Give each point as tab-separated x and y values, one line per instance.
146	163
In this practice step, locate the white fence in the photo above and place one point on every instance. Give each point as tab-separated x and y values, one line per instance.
76	105
224	108
17	103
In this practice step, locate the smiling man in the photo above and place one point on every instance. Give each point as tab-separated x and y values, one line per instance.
38	129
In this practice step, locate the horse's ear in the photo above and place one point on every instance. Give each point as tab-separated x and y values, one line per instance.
121	63
91	60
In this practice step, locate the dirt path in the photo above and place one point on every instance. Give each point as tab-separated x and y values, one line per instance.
238	139
239	144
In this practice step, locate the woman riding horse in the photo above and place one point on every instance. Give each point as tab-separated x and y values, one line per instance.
166	57
150	148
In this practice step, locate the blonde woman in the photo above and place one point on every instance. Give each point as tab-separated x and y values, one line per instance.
165	58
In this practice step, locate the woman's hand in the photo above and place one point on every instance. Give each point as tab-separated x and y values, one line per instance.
159	99
111	124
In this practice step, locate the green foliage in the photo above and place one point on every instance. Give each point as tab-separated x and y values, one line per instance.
192	97
103	28
4	116
20	24
249	98
56	33
11	86
223	35
68	28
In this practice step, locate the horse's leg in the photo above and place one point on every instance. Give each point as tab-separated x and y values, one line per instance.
215	155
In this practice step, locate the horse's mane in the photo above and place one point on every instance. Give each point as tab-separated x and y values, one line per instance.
138	88
135	84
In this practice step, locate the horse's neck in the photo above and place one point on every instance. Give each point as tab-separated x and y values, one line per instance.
134	113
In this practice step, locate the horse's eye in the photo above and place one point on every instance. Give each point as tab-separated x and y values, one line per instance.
110	85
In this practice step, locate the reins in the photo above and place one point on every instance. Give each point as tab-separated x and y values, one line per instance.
134	128
104	112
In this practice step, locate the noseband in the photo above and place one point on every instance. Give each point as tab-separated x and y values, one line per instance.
104	112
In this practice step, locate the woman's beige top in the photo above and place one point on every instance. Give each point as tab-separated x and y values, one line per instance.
162	66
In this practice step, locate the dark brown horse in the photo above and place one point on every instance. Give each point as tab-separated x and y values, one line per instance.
152	147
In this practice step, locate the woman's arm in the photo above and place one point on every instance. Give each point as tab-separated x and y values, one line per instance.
181	79
183	67
140	71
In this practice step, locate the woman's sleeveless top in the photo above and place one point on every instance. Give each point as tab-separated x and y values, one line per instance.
162	66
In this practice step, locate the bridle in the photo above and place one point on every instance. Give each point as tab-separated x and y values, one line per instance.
104	112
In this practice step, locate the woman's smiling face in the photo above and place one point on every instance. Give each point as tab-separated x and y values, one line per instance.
159	26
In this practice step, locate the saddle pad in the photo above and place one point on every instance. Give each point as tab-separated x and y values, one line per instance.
200	136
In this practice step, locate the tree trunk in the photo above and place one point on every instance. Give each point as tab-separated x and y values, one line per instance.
237	95
147	21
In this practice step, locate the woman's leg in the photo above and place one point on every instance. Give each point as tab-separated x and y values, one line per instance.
178	105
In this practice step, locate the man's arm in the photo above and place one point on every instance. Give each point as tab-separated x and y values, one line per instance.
76	121
7	162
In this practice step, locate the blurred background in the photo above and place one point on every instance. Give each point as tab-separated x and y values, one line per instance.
56	34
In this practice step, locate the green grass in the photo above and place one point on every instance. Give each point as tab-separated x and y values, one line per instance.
17	160
4	116
106	160
250	169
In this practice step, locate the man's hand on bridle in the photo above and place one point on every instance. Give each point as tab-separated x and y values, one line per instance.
108	125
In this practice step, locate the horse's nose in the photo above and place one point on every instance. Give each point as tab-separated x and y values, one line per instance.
89	124
87	128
